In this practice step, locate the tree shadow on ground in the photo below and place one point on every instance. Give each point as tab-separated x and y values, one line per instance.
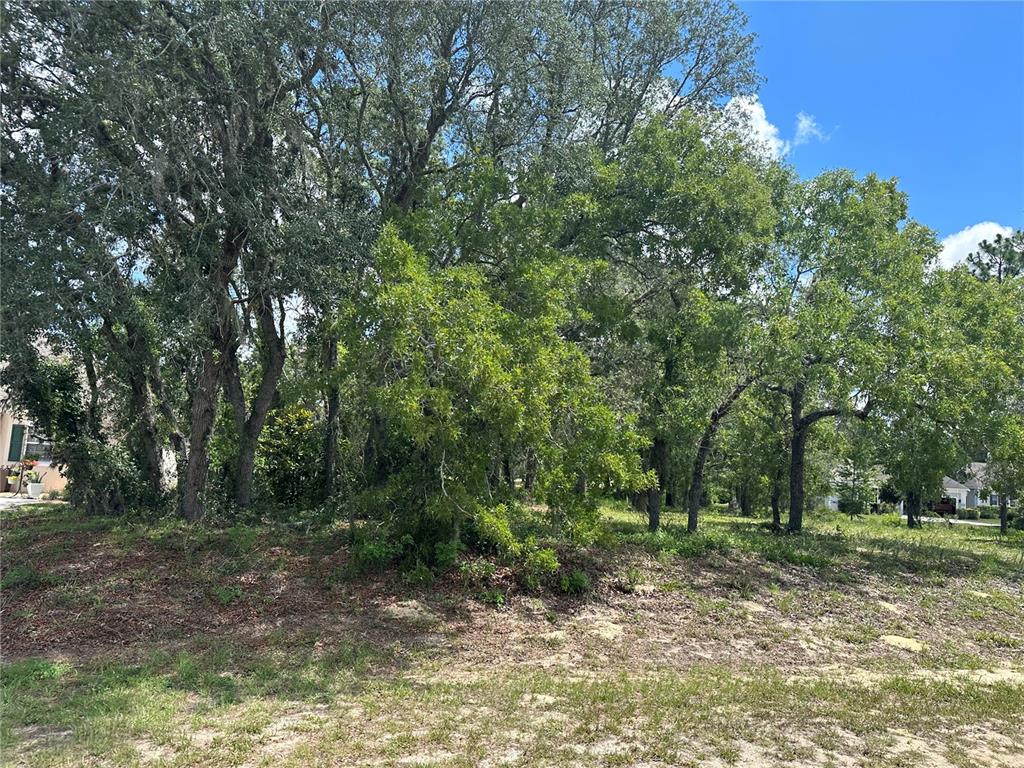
839	553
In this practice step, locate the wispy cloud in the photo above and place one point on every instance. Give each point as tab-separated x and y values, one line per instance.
807	128
749	113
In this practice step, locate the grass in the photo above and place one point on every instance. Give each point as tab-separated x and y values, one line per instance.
157	643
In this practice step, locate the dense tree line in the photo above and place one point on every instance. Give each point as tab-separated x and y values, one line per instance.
420	263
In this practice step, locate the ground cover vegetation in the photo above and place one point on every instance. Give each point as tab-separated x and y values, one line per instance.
325	299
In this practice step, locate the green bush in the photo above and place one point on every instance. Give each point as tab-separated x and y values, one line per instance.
988	512
419	575
493	597
374	550
537	566
478	571
575	583
494	530
288	455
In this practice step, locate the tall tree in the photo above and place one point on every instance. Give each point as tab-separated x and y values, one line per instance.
847	262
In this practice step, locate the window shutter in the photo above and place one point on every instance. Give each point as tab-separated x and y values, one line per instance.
17	438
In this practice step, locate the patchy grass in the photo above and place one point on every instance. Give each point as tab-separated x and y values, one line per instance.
857	643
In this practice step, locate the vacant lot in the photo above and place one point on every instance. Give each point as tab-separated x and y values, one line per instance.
856	643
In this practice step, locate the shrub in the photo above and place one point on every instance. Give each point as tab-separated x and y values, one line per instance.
493	597
575	583
288	455
374	550
447	552
494	530
537	566
479	571
419	575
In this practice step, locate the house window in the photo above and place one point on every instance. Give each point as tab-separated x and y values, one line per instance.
39	447
14	453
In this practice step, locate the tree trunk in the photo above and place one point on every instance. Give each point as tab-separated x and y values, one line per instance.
913	508
776	503
1004	515
530	476
798	448
581	484
659	463
273	354
203	411
696	490
131	352
150	458
331	427
746	502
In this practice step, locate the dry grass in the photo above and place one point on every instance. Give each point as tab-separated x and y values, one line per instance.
160	644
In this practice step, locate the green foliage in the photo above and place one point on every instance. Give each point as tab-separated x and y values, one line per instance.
494	531
419	575
493	597
538	564
288	455
478	571
227	595
575	583
374	549
22	576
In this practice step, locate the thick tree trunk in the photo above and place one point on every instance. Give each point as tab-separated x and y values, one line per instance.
333	397
746	502
797	449
272	366
204	400
801	426
913	509
1004	515
150	455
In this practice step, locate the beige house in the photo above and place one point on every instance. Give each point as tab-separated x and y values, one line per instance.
19	439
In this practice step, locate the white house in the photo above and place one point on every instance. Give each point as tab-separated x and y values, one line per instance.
957	491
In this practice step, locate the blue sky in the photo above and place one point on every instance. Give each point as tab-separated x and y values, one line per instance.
932	93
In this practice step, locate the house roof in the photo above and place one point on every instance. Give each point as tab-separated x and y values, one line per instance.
949	484
977	475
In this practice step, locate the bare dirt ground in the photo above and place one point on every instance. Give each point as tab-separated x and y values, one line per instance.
135	645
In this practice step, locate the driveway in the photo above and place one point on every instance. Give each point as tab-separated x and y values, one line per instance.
8	502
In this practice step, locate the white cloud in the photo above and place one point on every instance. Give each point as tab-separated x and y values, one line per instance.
748	112
956	248
807	128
